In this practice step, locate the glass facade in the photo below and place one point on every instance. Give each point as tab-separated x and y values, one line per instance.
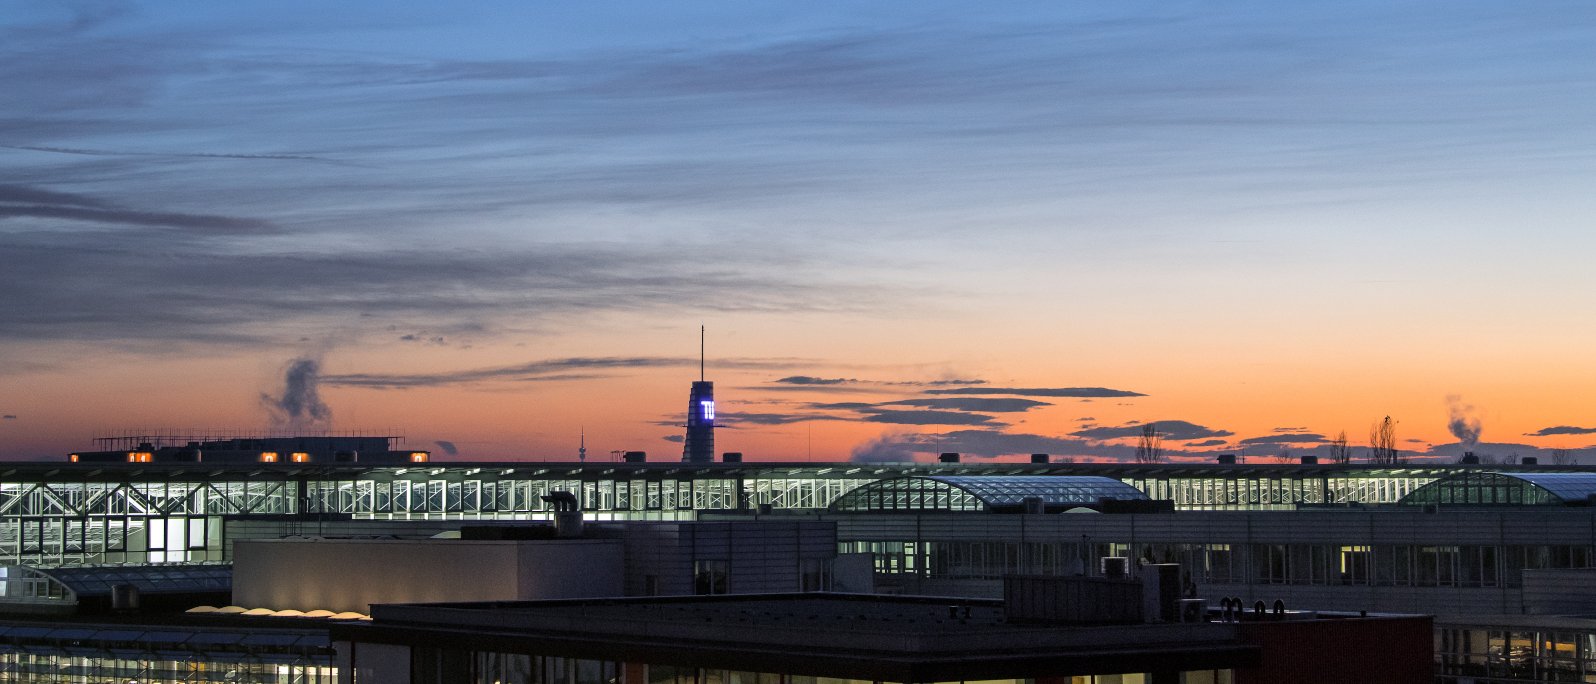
430	666
1496	655
61	514
1377	565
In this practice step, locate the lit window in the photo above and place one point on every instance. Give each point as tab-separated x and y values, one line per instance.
140	457
268	457
299	457
418	457
709	408
73	458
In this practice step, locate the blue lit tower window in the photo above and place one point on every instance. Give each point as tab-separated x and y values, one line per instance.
700	444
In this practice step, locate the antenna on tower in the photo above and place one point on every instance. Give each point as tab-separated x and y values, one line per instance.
581	451
700	352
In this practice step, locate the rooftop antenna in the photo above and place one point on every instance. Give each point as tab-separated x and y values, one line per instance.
581	452
700	352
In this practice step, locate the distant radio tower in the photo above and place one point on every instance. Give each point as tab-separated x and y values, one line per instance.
581	452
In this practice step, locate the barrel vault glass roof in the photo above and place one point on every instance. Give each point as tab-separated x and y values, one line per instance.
1506	489
981	493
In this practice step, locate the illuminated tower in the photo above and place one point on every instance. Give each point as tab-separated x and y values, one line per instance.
699	447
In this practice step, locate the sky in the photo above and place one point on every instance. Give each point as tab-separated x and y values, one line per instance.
908	228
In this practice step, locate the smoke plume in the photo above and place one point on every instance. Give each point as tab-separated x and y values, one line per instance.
1462	422
299	407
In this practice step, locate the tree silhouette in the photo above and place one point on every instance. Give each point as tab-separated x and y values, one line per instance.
1339	451
1149	447
1382	443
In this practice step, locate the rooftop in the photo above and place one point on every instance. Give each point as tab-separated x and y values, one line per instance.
867	637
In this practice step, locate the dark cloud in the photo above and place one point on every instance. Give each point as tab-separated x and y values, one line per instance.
978	443
1207	443
973	404
1085	419
23	201
1290	429
447	447
299	406
8	416
811	380
844	406
196	155
928	418
1178	430
1561	430
208	296
543	370
1041	391
730	418
1284	439
675	438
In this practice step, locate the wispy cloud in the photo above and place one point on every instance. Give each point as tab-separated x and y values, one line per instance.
975	404
928	418
1291	438
1089	392
1561	430
1178	430
543	370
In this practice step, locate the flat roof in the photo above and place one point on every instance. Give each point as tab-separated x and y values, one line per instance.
886	638
64	471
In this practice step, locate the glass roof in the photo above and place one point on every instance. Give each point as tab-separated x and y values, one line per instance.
97	580
1569	487
166	638
984	493
998	490
1506	489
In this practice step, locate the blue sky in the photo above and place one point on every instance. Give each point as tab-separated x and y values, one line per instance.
1233	179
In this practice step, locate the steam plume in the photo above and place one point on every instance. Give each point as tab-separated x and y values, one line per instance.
299	406
1462	422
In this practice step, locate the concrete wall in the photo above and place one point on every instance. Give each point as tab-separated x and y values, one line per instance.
352	574
762	555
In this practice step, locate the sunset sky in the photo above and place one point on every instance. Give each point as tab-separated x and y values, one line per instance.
908	227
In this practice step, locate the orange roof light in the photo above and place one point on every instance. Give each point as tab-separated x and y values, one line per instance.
268	457
418	457
140	457
73	458
299	457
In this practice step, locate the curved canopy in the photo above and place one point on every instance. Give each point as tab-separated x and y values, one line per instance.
1506	489
984	493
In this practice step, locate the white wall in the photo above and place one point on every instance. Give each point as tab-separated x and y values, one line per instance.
351	574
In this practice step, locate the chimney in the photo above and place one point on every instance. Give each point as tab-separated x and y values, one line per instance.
949	457
1310	460
567	514
1226	459
1469	458
732	457
1039	458
635	456
1531	460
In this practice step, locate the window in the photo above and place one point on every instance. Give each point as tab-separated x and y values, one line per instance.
709	576
814	574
